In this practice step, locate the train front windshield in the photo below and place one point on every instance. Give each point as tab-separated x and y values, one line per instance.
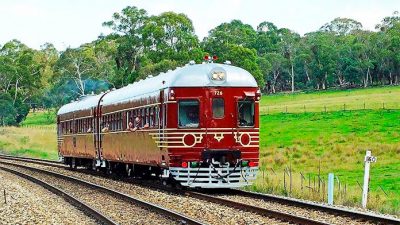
246	113
189	113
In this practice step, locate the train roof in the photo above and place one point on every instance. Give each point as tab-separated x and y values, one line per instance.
196	75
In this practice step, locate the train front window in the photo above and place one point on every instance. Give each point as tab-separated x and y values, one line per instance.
246	113
218	108
188	113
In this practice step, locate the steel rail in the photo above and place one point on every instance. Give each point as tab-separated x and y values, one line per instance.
89	211
286	201
150	206
323	208
44	162
285	217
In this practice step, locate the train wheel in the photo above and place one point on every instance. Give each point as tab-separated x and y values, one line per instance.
72	165
109	169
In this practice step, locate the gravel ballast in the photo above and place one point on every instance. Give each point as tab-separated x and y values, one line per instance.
29	203
119	210
207	212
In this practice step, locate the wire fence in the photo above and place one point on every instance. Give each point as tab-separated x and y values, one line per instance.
329	107
314	186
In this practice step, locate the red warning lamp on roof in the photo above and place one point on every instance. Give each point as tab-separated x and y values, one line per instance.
206	58
215	58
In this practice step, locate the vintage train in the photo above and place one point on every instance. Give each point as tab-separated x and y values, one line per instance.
197	125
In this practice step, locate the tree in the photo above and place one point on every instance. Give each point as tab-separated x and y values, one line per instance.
77	65
342	26
128	34
267	38
169	36
7	112
389	21
289	45
245	58
324	56
20	70
225	35
276	61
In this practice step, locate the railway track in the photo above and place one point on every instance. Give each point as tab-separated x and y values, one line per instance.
116	207
89	211
362	216
257	203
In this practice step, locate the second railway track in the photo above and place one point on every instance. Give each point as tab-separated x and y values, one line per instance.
288	210
112	207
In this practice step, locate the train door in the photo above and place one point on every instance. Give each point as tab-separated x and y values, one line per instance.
161	116
74	131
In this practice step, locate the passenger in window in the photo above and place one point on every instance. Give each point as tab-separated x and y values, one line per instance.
131	127
138	122
191	120
192	116
106	128
89	130
242	121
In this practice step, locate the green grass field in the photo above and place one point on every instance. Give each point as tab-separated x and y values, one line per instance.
336	140
332	100
40	118
35	138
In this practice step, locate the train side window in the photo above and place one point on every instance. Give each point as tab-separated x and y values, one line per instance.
117	121
112	122
120	121
188	113
75	127
218	107
142	121
156	116
246	113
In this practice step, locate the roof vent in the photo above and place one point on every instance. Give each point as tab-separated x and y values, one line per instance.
192	62
227	62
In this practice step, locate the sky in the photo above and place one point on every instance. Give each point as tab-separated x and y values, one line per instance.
70	23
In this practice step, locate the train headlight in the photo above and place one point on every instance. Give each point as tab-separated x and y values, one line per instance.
218	75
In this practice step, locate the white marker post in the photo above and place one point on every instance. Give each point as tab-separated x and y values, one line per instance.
368	159
331	181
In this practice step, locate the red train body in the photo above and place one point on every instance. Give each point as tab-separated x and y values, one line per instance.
197	125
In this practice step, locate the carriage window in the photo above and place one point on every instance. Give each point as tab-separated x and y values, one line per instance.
218	108
188	113
246	113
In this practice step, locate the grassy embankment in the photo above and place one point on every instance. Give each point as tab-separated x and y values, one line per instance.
336	139
35	138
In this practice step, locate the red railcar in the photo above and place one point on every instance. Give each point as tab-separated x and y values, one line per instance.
197	125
